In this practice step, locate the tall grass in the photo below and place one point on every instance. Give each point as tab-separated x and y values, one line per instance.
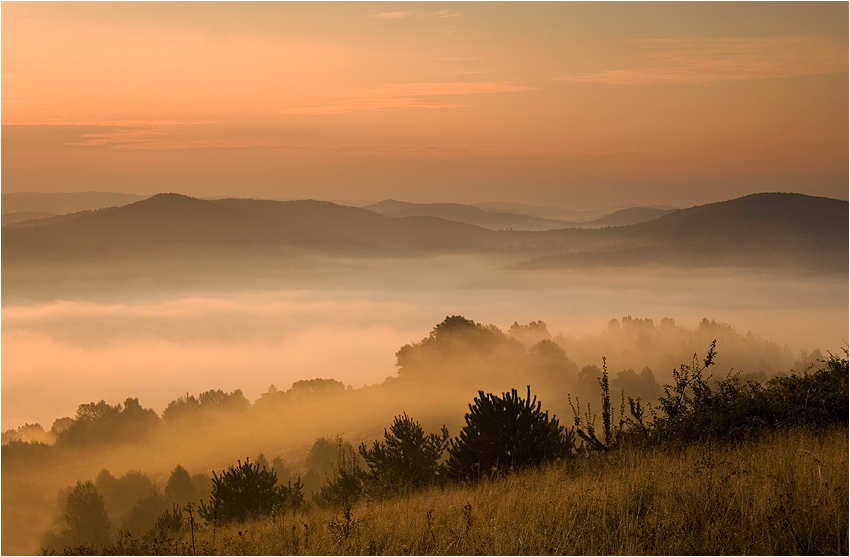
786	493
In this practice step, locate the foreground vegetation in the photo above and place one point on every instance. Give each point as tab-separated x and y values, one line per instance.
786	493
723	466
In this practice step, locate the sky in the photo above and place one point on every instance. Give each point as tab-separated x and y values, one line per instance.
579	105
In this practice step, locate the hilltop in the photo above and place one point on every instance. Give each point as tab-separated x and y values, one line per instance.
769	230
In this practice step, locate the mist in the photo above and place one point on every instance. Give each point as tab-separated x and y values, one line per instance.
95	336
62	353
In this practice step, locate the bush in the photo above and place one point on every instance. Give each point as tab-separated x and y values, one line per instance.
407	459
245	492
694	408
502	433
344	486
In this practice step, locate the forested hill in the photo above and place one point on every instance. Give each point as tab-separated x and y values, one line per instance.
171	221
761	230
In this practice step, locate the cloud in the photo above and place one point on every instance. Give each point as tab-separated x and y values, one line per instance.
407	96
392	15
444	14
694	61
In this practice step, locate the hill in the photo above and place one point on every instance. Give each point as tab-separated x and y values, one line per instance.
625	217
62	203
759	230
21	216
168	222
468	214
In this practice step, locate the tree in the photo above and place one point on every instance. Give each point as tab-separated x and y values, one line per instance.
503	433
179	488
245	492
144	514
407	458
85	515
321	462
101	423
120	494
344	485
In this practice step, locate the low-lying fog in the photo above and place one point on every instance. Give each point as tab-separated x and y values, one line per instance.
59	354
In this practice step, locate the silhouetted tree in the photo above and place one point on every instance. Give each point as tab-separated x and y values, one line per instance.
187	406
284	475
505	432
552	361
344	485
120	494
28	433
85	516
101	423
246	492
312	388
530	334
321	461
406	459
143	516
179	488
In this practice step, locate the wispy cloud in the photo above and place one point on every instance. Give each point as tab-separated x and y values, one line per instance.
692	61
104	123
406	96
392	15
443	14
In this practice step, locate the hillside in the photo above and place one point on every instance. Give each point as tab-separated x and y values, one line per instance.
21	216
513	218
761	230
168	222
468	214
63	203
625	217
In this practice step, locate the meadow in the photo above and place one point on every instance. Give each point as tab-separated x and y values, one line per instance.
785	493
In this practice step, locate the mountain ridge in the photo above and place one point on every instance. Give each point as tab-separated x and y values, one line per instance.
751	227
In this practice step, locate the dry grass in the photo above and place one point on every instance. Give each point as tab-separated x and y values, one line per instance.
784	494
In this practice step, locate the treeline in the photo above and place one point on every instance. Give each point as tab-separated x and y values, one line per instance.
458	352
502	433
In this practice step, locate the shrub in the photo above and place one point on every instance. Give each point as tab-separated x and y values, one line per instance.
344	486
245	492
407	459
506	432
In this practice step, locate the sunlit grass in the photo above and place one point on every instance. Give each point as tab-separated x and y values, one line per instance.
784	494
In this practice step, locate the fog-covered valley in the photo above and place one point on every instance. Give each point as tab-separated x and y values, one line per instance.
177	318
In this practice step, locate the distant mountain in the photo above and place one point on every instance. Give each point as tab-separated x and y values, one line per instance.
554	213
759	230
168	222
763	230
625	217
464	213
20	216
62	203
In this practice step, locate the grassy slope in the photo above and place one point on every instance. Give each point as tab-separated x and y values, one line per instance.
784	494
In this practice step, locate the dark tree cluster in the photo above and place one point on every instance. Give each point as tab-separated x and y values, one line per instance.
506	432
247	492
468	353
187	407
101	423
407	459
698	407
304	391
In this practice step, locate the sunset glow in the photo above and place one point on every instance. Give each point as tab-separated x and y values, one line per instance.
573	104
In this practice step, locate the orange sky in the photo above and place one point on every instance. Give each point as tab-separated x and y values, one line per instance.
579	105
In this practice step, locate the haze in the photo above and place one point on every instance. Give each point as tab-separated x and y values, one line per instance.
238	199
